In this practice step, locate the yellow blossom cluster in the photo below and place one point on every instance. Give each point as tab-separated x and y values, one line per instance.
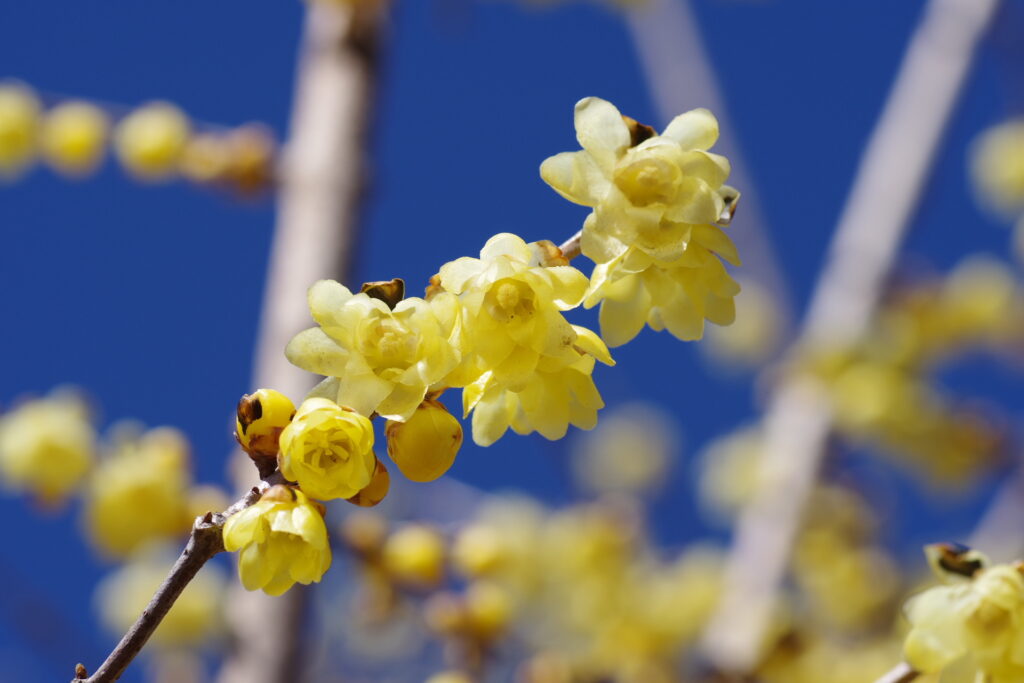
655	230
977	614
154	142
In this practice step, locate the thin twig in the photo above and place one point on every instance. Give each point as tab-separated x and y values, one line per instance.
571	247
901	673
204	542
885	193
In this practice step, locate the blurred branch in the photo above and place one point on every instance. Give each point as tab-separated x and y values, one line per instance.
885	193
321	185
681	76
204	542
901	673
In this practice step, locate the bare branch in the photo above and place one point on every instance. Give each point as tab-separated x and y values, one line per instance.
884	195
205	541
571	247
901	673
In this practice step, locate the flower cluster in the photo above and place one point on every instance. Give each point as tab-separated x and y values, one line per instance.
658	202
979	614
153	143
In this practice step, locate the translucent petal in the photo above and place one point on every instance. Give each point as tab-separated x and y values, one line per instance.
589	342
711	168
600	130
490	418
622	320
575	176
326	298
254	568
506	244
696	129
695	202
314	351
715	239
363	392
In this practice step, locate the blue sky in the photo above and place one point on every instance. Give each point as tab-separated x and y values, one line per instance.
148	296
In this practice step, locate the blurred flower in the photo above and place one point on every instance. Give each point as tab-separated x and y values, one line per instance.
629	452
755	334
74	137
414	555
425	445
328	450
195	616
387	358
282	540
730	472
47	446
139	491
19	128
150	141
997	165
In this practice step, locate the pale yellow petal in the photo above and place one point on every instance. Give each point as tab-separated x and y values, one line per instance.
696	129
600	130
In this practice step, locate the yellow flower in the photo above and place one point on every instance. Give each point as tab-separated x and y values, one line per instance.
74	136
19	128
982	617
425	445
149	141
282	541
328	450
755	334
139	492
646	189
997	164
387	358
635	289
47	446
194	617
414	555
529	369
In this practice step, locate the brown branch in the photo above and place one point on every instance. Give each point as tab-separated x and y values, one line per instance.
901	673
205	541
571	247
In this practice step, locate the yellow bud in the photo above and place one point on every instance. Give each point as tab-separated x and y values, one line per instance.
74	136
19	123
488	609
376	490
477	550
414	555
149	141
262	416
425	446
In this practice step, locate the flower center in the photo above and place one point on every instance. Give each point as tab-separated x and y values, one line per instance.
509	299
647	180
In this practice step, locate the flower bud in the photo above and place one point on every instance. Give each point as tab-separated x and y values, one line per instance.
424	446
376	490
477	550
414	555
74	136
364	532
150	140
328	450
261	417
19	124
488	609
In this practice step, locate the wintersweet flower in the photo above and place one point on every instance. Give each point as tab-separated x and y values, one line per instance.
139	492
982	617
74	136
150	141
646	189
635	289
47	447
328	450
997	165
529	368
281	539
388	358
19	128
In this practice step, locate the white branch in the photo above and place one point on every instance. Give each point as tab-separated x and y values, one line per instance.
886	191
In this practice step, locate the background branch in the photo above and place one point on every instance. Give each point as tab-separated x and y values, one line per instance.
901	673
321	185
885	193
